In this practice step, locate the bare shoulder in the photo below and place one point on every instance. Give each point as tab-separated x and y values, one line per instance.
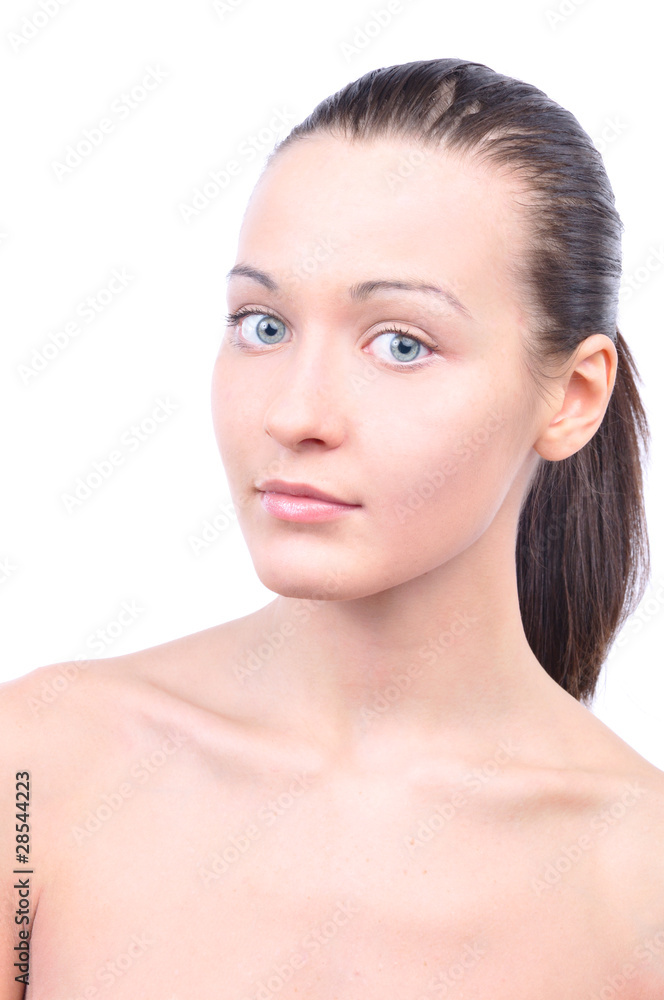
72	732
636	873
73	708
631	794
637	788
628	829
58	718
50	747
77	726
68	719
601	817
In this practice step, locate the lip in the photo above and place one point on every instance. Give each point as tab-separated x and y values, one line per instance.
300	490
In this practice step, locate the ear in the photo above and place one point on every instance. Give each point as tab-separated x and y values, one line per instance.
587	386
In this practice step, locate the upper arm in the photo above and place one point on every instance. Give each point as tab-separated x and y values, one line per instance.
10	940
53	740
12	737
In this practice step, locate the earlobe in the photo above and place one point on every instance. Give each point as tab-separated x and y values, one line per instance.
587	384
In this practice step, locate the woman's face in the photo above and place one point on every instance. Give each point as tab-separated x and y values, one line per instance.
429	431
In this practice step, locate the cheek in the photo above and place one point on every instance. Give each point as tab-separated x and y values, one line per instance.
233	414
452	464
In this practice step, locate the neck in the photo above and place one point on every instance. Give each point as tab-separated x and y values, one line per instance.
441	659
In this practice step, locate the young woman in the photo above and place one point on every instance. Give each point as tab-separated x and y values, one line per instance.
386	781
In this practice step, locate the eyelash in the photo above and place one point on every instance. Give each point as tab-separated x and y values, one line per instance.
233	320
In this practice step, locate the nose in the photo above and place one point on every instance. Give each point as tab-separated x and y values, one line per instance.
308	398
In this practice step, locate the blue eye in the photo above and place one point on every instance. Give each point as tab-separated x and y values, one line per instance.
408	343
269	329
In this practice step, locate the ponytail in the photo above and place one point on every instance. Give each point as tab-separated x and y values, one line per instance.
582	552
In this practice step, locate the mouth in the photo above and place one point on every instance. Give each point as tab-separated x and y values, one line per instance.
279	486
301	502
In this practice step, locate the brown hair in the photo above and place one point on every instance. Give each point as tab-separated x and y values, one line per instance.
582	552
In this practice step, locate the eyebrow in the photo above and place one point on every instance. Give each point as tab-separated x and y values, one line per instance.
360	291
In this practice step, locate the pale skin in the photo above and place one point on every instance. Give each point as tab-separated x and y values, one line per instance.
369	787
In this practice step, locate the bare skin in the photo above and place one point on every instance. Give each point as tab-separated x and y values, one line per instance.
370	787
192	839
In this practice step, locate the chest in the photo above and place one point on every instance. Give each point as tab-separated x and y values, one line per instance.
289	886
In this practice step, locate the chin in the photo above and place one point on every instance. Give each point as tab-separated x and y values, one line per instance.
318	579
306	583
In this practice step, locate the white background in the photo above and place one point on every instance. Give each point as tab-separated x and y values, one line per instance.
225	74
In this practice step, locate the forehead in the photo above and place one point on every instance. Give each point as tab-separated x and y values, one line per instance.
387	205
